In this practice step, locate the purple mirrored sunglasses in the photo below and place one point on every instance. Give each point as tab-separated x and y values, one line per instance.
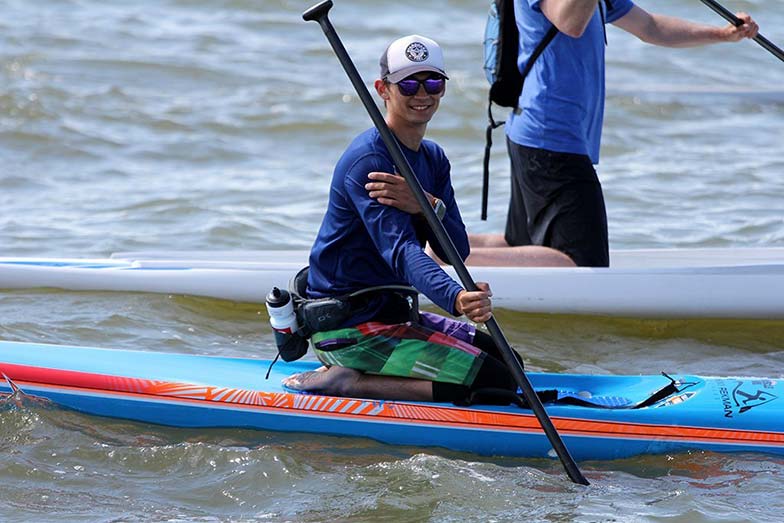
433	85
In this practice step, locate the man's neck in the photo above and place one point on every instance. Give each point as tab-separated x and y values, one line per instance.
409	135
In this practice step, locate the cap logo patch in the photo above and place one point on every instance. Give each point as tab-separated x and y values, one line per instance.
417	52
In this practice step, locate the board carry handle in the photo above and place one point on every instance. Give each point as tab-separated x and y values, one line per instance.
320	13
737	22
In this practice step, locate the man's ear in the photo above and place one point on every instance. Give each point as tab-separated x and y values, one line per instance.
382	88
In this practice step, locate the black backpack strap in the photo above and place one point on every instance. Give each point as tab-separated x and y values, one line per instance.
551	33
538	52
486	160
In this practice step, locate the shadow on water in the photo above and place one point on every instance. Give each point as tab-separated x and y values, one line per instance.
594	345
748	335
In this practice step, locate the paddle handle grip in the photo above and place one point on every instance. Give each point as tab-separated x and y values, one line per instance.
318	12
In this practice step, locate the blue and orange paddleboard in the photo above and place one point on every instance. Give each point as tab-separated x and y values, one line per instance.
617	416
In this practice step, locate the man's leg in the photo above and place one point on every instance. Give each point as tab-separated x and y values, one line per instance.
487	240
517	217
518	256
491	250
579	228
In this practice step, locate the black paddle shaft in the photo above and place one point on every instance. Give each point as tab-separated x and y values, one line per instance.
319	13
737	22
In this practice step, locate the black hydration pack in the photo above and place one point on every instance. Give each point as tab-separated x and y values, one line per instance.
501	50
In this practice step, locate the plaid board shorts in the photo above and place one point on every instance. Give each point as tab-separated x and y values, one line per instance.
435	349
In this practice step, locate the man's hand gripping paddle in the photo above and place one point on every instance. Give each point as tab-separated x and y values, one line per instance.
737	22
319	13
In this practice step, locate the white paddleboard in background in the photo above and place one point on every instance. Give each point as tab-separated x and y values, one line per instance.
742	283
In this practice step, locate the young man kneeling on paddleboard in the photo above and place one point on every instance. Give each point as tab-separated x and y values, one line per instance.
387	349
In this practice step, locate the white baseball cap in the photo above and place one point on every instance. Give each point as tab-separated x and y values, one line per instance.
411	54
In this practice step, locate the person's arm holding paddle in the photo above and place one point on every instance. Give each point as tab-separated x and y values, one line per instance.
669	31
571	17
392	191
734	20
476	305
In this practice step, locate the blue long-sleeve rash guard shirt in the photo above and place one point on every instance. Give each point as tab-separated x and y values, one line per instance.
363	243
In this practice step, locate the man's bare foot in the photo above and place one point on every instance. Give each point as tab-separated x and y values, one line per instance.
335	381
350	383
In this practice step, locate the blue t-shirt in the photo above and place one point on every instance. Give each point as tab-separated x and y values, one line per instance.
363	243
562	101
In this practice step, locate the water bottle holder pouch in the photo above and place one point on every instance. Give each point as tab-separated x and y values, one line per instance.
324	314
291	347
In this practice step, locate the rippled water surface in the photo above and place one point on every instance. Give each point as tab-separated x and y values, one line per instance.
214	125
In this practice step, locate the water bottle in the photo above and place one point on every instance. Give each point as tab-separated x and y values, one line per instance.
283	319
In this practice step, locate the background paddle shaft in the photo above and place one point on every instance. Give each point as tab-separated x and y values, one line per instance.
319	13
734	20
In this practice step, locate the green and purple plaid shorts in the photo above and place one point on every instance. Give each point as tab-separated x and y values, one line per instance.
435	349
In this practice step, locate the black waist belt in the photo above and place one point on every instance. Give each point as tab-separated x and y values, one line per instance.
324	314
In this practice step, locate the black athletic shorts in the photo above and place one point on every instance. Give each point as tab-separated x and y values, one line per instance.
557	202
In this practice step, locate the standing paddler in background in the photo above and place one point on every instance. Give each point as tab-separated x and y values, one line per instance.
372	237
553	135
